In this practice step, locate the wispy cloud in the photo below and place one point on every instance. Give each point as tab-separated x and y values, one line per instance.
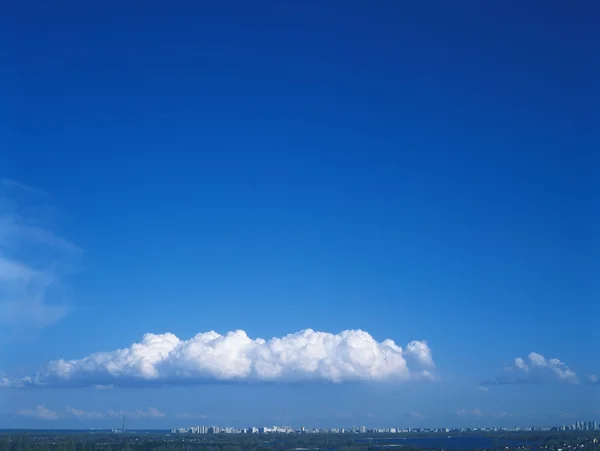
535	369
150	412
416	415
40	411
34	260
164	359
85	415
23	187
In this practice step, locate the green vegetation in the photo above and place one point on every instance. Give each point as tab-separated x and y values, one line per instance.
103	441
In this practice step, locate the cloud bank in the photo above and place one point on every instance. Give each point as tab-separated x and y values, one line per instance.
33	259
164	359
535	369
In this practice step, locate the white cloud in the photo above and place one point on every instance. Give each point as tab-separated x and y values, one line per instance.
536	368
537	359
33	261
40	411
416	415
520	363
465	412
421	351
352	355
562	371
559	369
593	379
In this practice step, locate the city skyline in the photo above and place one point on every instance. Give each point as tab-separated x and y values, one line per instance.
577	426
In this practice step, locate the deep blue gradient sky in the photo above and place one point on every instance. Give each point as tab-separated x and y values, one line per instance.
417	170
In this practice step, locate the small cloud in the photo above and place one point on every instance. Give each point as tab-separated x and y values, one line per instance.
192	416
504	415
593	379
536	369
568	415
520	363
536	359
40	411
420	351
416	415
85	415
103	387
465	412
151	412
483	388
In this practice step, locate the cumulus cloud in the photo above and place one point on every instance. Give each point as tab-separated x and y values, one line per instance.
593	379
34	260
351	355
536	369
40	411
537	359
520	363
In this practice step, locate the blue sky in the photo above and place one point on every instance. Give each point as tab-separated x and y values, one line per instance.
423	173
